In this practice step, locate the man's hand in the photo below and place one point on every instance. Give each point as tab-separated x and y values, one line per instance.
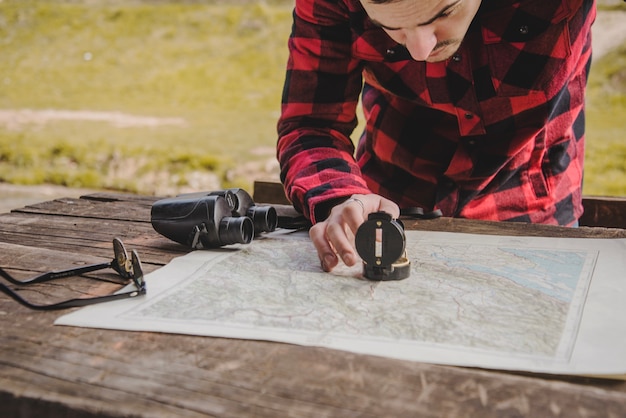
334	237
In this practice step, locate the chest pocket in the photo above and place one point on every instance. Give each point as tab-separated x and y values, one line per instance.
528	46
388	66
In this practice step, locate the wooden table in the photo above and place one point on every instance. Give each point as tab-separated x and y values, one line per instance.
50	371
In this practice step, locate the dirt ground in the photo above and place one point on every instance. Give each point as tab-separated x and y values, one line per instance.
608	33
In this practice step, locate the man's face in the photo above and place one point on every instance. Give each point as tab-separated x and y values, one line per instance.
432	30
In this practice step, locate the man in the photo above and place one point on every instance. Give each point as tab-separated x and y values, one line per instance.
472	107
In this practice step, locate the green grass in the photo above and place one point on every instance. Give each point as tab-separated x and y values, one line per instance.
217	65
605	165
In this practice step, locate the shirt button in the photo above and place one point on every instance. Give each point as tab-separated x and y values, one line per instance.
469	115
456	58
524	30
471	142
390	52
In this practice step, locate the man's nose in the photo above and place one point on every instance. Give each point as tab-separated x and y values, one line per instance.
420	42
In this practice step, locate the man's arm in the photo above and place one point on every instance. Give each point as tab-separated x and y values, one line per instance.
316	154
322	87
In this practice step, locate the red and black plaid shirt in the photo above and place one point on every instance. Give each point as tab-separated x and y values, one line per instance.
495	132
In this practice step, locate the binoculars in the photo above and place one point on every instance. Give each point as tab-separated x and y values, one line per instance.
212	219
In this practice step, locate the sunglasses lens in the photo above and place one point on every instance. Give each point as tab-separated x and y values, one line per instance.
137	270
123	265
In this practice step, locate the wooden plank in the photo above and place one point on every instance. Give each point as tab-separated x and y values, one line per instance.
137	200
607	212
269	192
150	373
89	207
510	228
32	259
50	227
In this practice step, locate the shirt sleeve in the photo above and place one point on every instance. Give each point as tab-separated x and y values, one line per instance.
322	86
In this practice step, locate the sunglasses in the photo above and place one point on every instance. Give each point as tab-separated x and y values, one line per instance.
129	268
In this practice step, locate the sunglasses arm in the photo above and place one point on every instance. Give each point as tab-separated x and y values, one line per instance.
53	275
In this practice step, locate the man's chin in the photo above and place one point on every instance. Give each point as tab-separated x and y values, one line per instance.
443	53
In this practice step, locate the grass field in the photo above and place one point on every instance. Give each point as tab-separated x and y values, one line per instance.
215	67
605	166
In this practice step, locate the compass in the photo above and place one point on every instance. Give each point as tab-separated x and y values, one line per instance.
381	243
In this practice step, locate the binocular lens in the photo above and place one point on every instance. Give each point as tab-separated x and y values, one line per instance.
235	230
264	218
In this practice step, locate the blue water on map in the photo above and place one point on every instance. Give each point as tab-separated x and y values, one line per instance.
553	272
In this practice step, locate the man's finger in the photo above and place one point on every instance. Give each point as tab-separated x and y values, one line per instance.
338	238
325	251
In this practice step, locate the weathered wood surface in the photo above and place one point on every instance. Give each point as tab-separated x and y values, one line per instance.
51	371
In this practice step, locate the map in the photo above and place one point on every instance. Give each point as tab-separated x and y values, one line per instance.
502	302
524	301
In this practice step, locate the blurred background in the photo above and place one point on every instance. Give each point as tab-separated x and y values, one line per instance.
163	97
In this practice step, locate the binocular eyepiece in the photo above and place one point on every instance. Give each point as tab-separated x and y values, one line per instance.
264	218
212	219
